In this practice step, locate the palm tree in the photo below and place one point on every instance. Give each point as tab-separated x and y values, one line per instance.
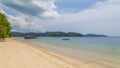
5	27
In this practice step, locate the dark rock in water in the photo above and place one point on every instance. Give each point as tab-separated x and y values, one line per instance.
30	37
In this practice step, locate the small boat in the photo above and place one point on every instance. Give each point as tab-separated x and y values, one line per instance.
30	37
65	39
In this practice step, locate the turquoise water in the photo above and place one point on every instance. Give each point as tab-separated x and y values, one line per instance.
99	44
101	50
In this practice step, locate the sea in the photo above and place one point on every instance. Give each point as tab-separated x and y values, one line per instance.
102	52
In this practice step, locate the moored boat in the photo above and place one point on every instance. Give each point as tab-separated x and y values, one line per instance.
65	39
30	37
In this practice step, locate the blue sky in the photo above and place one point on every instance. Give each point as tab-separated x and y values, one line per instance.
71	6
83	16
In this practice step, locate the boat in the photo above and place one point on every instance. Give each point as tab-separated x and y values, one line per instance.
30	37
65	39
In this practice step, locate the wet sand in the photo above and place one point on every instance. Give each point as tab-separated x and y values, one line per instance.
17	54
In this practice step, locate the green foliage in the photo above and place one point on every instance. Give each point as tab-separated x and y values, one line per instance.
5	27
48	34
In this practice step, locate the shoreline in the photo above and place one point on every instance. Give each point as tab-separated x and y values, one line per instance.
52	53
15	53
18	54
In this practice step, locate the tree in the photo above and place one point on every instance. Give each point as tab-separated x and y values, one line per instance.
5	27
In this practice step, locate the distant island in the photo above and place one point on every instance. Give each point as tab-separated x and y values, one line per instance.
55	34
95	35
47	34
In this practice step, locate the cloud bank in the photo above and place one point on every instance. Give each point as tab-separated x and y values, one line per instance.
102	17
26	13
39	8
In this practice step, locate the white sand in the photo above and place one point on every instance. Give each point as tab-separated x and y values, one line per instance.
17	54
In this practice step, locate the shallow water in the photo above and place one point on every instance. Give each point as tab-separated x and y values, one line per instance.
103	52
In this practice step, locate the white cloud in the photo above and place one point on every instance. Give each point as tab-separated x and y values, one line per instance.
21	24
32	7
29	13
101	18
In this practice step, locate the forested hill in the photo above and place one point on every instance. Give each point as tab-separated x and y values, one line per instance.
48	34
95	35
55	34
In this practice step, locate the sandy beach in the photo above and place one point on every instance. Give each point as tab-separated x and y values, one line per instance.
17	54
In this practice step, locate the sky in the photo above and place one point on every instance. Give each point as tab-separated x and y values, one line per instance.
82	16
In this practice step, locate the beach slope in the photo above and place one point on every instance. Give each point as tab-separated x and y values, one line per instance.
17	54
